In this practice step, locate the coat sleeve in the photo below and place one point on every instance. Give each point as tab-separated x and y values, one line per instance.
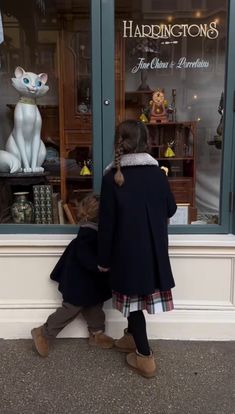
107	222
171	204
86	257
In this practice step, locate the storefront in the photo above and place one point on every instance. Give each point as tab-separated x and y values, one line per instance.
168	64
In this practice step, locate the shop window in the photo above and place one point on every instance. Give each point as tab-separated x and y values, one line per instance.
52	38
170	74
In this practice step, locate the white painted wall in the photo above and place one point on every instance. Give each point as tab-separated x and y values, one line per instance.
203	266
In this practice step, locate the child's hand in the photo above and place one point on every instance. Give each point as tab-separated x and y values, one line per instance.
103	269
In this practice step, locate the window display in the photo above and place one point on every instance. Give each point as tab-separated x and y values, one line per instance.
170	73
45	110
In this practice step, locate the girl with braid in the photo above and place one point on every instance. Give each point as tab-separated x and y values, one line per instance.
136	203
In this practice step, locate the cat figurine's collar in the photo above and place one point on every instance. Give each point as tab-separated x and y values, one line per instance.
30	101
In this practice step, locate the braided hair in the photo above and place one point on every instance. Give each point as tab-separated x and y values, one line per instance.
118	177
131	137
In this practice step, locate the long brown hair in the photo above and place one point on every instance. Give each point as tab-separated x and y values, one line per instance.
131	137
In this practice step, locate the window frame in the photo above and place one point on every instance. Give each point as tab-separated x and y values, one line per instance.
95	26
227	211
103	125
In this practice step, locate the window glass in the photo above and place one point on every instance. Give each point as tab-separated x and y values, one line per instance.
170	74
45	110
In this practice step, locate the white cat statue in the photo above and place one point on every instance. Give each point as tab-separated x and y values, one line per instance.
25	151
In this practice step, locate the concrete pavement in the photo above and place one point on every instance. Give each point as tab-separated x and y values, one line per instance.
193	377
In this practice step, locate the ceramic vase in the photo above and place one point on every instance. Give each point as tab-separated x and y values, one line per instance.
22	210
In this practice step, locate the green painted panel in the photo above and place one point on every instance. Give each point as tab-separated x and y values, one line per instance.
229	152
103	89
96	93
228	149
108	79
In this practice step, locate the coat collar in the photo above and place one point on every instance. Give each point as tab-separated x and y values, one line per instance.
90	225
132	160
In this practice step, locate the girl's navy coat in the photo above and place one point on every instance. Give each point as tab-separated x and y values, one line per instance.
80	282
133	229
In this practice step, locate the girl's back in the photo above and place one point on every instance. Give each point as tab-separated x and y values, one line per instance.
135	217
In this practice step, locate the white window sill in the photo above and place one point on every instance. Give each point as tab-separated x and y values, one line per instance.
202	240
33	240
175	240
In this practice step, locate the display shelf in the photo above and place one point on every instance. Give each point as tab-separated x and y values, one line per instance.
176	134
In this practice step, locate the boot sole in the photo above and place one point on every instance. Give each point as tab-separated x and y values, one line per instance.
35	344
142	374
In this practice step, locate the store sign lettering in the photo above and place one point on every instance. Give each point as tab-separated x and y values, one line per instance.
157	63
163	31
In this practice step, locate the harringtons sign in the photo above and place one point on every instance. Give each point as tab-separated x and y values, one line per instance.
163	31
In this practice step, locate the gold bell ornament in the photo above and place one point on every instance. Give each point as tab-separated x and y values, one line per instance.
143	118
169	153
85	170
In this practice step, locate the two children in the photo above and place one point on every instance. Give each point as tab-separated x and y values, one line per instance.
136	203
83	287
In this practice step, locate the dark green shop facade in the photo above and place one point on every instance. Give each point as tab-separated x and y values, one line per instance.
168	64
107	61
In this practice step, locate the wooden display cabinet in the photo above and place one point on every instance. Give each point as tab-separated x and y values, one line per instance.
75	105
181	166
182	138
75	101
182	135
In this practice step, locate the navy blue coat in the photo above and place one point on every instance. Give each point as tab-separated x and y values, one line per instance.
133	230
80	282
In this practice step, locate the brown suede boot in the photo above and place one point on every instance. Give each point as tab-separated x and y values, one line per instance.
101	340
143	365
40	342
126	343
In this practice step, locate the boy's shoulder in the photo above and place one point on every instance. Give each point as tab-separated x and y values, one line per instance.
87	232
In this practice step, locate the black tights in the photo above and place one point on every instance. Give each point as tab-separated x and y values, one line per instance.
137	327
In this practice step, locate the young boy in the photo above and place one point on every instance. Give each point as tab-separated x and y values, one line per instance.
83	287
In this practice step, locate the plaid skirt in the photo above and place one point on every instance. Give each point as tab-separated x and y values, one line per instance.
157	302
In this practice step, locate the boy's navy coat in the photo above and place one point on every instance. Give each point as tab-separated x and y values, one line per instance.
80	282
133	230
